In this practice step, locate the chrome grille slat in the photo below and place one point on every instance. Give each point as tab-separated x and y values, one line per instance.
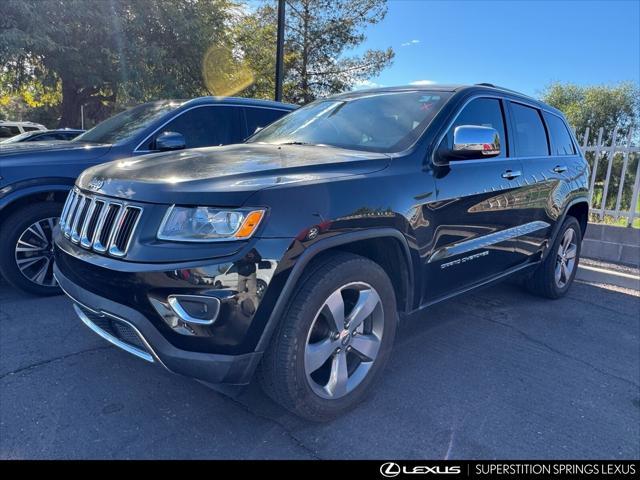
78	223
100	224
65	209
72	212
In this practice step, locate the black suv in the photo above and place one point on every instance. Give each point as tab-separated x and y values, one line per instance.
354	211
35	178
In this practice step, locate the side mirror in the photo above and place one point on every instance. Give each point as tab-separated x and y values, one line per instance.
170	141
473	142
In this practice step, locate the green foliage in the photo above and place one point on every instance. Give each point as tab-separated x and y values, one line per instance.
320	34
597	107
102	52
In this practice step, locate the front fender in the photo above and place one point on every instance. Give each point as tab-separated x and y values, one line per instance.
303	256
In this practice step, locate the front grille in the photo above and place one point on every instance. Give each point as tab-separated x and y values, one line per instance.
115	331
100	224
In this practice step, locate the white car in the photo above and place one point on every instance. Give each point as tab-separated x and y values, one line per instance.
11	129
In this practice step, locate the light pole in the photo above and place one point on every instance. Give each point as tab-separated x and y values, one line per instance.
280	51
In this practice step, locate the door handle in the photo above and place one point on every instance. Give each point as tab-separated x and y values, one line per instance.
560	168
511	174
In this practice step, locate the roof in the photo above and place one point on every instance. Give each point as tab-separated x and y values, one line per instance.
241	101
480	87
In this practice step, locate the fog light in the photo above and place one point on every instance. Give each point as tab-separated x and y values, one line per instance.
195	308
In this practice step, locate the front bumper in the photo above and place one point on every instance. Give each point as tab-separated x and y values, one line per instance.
129	330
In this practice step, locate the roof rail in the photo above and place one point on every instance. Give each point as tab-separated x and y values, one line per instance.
486	84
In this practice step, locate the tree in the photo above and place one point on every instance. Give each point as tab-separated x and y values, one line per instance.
98	50
597	107
319	35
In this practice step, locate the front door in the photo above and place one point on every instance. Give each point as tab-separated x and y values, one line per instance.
476	218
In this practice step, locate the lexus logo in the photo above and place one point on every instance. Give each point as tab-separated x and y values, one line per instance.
95	184
391	469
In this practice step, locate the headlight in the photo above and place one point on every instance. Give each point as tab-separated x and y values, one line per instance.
205	224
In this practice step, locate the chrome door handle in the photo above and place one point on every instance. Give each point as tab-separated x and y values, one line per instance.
511	174
560	168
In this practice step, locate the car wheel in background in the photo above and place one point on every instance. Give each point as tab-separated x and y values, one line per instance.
26	248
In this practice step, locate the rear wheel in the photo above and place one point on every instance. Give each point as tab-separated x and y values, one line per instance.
26	248
554	276
334	340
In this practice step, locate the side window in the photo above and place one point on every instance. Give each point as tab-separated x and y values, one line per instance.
208	126
530	135
30	129
485	112
561	143
7	131
261	117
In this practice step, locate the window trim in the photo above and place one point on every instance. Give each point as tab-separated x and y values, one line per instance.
544	125
148	137
505	121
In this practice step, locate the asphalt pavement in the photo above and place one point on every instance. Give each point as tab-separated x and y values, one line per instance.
497	374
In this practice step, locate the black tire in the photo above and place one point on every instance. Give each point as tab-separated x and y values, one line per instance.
543	281
282	371
12	229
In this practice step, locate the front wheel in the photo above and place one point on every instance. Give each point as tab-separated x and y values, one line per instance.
554	276
26	248
334	340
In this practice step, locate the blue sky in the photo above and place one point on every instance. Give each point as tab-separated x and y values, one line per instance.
523	45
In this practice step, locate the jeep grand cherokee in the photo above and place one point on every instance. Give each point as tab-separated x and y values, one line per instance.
354	212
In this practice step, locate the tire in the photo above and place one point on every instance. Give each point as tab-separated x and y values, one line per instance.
288	372
543	281
32	226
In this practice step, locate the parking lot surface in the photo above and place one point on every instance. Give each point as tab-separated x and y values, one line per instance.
495	374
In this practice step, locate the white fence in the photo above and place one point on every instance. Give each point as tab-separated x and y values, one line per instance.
615	176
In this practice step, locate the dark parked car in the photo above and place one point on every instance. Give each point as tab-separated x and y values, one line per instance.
364	209
43	136
36	177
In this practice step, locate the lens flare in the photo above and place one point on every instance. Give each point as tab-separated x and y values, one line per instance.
224	73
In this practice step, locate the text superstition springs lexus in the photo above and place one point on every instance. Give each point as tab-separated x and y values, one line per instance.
296	254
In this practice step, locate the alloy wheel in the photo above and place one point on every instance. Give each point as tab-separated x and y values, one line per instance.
566	258
344	340
34	252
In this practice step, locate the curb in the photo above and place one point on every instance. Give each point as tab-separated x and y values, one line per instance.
589	273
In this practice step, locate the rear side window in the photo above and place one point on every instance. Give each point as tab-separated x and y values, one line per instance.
258	118
484	112
561	143
531	137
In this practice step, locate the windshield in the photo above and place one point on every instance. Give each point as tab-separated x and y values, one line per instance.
378	122
127	123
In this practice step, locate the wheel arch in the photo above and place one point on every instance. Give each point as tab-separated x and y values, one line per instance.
578	208
367	243
27	196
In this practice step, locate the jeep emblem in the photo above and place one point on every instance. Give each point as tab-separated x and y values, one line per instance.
95	184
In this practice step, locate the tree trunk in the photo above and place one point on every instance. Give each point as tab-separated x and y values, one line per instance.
70	117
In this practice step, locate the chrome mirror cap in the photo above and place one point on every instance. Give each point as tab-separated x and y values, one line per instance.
475	141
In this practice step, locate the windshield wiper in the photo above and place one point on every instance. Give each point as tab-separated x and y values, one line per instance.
295	143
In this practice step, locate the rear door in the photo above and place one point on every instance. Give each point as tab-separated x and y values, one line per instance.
475	209
544	146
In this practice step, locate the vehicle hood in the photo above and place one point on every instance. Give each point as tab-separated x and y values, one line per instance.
224	176
38	153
